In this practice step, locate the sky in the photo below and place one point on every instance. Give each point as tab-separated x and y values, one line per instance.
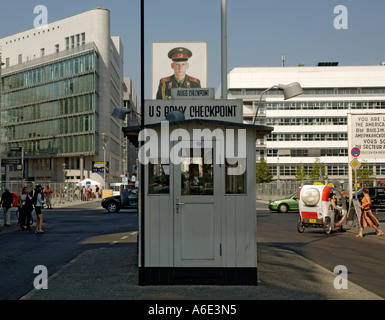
258	32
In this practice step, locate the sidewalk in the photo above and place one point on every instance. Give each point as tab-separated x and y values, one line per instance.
112	274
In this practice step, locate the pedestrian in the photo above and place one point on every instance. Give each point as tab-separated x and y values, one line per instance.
6	203
97	192
336	210
22	204
48	196
29	209
38	203
367	218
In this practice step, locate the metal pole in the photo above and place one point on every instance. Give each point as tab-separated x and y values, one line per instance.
224	48
1	142
105	164
142	265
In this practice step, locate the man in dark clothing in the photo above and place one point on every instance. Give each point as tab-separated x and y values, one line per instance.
6	203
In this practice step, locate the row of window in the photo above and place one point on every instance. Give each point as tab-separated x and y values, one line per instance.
313	121
85	143
197	178
324	105
340	136
332	170
54	71
324	152
68	125
49	91
71	105
323	91
75	40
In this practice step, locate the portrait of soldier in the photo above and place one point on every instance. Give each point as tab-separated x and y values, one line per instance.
179	79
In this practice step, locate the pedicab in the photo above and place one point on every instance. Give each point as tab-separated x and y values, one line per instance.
317	211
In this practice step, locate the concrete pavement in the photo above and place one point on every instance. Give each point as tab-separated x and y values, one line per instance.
111	273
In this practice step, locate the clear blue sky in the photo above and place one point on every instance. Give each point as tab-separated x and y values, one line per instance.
259	32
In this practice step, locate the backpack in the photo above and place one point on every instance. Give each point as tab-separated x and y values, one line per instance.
28	202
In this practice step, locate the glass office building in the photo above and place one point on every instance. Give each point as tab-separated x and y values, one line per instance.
51	109
60	85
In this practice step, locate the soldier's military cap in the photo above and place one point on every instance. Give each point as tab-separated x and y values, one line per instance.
179	54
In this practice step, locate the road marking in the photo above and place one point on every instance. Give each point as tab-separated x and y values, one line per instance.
113	242
125	237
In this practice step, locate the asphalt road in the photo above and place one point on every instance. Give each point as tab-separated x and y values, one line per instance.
68	233
83	245
364	258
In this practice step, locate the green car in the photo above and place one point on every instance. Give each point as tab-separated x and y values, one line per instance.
284	205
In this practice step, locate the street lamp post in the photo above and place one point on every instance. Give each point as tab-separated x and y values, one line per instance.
290	90
105	139
1	142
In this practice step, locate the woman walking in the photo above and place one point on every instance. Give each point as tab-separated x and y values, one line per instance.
367	218
38	201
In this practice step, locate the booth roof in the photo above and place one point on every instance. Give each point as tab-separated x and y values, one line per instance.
132	132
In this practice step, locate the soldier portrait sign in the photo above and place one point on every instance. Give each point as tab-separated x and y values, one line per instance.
178	65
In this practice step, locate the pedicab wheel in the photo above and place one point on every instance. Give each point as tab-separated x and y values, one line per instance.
300	226
328	226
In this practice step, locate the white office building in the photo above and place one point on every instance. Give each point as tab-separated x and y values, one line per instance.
314	124
60	85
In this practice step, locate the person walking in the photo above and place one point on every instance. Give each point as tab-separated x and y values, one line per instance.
48	196
38	202
6	203
23	209
29	209
367	218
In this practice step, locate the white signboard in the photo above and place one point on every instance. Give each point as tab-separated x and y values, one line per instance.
223	110
367	132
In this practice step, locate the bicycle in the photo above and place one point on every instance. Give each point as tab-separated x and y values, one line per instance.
17	216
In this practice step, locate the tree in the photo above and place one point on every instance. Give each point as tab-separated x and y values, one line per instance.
318	171
365	174
263	173
300	174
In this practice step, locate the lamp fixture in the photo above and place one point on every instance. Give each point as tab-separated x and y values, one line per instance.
290	90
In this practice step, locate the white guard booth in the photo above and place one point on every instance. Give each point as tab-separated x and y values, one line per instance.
199	217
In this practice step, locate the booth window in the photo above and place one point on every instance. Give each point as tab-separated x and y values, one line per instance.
158	178
197	173
235	177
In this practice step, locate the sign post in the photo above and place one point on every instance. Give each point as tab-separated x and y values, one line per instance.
355	164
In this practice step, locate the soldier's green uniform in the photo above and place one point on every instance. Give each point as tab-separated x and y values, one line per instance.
165	84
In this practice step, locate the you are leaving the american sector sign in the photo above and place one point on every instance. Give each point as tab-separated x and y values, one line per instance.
367	132
195	104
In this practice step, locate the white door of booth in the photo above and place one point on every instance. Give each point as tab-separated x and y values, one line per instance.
197	215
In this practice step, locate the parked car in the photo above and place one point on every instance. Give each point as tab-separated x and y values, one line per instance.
115	203
377	195
290	203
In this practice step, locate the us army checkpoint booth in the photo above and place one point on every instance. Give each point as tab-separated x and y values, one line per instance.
199	195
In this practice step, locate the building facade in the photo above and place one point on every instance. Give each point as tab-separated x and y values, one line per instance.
60	84
313	125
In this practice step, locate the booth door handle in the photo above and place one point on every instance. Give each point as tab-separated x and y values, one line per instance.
177	206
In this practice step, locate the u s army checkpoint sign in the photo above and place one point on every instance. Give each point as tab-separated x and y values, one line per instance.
195	104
